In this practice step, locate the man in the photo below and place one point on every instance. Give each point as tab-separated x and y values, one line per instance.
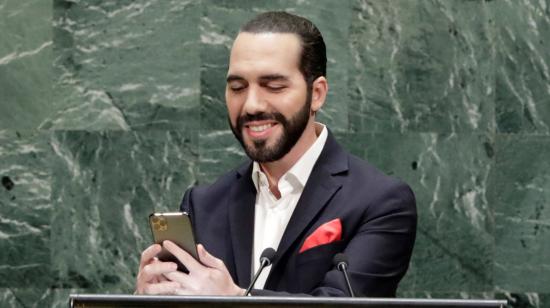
301	194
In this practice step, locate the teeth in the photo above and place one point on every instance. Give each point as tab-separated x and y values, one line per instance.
260	128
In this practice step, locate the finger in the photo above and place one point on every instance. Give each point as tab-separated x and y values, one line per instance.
183	256
155	269
149	254
166	287
187	283
184	291
208	259
181	278
162	278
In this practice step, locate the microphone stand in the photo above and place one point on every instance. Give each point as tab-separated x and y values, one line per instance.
343	268
263	264
265	260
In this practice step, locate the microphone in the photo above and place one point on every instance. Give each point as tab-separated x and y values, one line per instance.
265	260
341	262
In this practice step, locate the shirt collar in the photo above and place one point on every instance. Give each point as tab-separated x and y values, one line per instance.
302	168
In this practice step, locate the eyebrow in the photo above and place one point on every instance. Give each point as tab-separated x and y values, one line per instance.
273	77
234	78
264	78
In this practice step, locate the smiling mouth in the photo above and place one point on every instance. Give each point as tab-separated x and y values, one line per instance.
260	128
256	130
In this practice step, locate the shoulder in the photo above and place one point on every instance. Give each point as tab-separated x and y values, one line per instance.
362	169
221	187
361	181
376	186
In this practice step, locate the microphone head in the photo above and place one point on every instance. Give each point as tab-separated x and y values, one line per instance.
340	258
267	255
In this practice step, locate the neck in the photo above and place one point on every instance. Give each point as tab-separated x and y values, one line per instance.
275	170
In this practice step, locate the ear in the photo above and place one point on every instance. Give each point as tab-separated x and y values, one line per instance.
319	91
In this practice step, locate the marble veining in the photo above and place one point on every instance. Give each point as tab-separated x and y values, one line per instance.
109	110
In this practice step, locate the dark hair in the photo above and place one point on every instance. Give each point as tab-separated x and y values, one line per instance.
313	60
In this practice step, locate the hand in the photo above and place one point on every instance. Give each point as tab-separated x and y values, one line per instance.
209	278
151	276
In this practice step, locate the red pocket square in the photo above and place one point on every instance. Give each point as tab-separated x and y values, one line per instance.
327	233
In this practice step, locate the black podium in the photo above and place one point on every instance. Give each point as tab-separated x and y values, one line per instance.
104	301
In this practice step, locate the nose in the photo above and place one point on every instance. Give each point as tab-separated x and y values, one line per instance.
254	102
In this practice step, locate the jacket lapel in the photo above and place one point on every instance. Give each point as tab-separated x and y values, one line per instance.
320	187
241	222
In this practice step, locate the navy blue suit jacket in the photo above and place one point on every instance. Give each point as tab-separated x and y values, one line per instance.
377	212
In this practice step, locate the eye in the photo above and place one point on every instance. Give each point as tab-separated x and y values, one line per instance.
236	87
275	87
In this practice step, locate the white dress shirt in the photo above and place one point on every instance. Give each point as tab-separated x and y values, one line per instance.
271	214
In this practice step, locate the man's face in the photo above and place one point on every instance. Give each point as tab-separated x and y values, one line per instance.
266	94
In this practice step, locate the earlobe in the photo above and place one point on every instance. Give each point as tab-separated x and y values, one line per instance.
319	91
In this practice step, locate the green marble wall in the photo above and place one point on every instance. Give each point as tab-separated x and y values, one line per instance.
110	109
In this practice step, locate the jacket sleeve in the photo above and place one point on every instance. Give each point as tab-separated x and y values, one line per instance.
187	207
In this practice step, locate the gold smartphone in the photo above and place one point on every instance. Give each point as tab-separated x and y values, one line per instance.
175	227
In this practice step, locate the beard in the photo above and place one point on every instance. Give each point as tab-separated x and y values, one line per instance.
293	129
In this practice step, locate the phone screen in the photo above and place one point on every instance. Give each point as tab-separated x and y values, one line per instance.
175	227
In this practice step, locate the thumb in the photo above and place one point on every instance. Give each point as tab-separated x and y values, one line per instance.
208	259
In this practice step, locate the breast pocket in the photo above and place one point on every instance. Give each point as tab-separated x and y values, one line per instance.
313	264
321	252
